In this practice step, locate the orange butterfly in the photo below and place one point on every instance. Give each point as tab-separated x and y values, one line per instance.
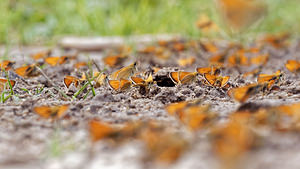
178	107
178	46
99	130
99	78
4	84
270	79
240	14
80	64
68	80
293	65
148	50
211	70
186	61
119	85
124	73
196	117
260	59
242	94
41	55
56	60
209	47
216	81
113	60
183	77
53	112
232	140
166	151
27	71
206	25
277	41
141	82
6	65
218	60
163	53
238	59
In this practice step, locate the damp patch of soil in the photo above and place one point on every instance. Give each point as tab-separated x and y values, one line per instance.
29	141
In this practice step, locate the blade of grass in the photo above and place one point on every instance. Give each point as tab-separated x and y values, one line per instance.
85	85
9	83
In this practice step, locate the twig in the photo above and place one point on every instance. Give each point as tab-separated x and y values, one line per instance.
51	82
98	68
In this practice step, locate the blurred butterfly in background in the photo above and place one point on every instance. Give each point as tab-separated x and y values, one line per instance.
27	71
180	78
242	94
41	55
210	70
52	112
79	65
58	60
114	60
238	59
99	130
276	40
270	79
293	66
260	59
186	61
4	84
6	65
241	14
205	24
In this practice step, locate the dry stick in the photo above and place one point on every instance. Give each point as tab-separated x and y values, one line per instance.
51	82
98	68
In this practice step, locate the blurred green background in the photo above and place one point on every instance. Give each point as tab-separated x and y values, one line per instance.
44	21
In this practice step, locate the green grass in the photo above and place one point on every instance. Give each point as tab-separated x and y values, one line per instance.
41	21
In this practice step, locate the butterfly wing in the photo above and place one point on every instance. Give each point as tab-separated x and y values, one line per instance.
53	61
62	110
99	130
211	79
126	72
187	77
225	80
68	80
114	84
80	64
124	84
43	111
174	76
292	65
6	64
112	61
137	80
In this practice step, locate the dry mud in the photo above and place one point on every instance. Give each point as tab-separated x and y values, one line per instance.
27	141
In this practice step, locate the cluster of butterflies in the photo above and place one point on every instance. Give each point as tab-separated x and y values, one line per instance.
240	133
226	142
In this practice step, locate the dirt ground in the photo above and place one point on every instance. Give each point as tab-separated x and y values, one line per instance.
29	141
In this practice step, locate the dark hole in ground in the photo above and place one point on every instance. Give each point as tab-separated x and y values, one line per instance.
164	81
